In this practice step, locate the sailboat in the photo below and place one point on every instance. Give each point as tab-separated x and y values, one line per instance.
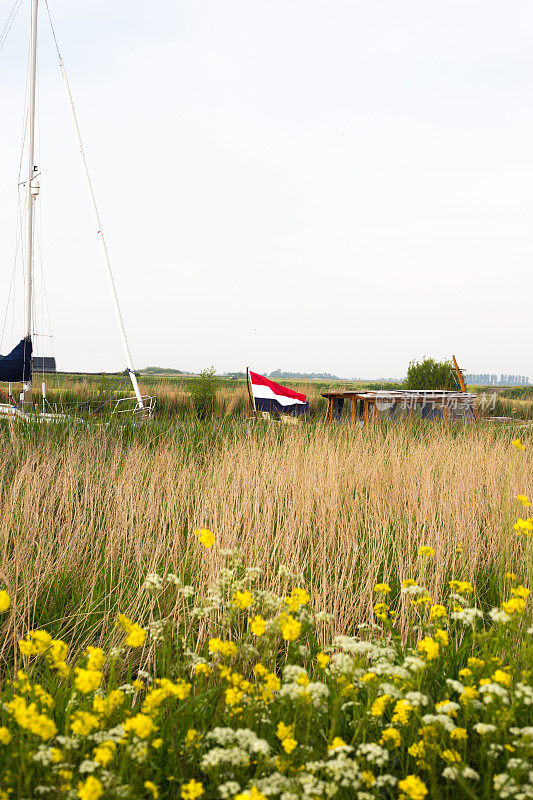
18	366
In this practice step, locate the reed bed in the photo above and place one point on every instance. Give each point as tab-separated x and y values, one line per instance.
86	513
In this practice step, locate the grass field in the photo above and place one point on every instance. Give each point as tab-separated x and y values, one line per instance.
94	521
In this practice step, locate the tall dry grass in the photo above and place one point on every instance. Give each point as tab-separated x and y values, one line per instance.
86	513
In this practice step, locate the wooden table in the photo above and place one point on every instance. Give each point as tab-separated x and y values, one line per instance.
365	406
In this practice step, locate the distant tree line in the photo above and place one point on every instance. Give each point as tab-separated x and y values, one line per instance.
485	379
324	376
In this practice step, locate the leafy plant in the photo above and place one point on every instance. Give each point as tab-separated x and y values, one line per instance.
431	374
204	393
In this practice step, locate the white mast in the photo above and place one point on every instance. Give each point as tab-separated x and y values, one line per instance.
118	315
30	189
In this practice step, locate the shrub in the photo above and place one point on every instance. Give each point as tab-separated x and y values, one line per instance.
431	374
204	393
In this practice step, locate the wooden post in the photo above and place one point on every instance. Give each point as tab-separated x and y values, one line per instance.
354	409
463	387
367	404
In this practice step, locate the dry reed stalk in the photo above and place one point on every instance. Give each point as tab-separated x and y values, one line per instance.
84	516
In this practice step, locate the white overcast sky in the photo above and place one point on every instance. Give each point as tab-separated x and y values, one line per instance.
316	185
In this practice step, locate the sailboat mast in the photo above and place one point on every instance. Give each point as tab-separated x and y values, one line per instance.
28	267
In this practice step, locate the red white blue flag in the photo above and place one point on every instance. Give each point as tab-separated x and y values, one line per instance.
270	396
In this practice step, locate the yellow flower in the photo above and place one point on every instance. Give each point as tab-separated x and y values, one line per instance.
322	660
413	788
402	709
465	673
408	582
202	669
298	597
463	587
157	743
475	662
283	731
384	588
152	788
442	637
523	526
5	600
225	648
510	576
192	790
391	736
82	722
502	677
191	736
458	734
5	736
95	657
426	551
429	648
379	705
252	794
469	693
91	789
518	444
104	753
451	756
106	705
141	725
523	500
437	611
289	744
290	627
521	591
136	636
243	599
515	605
87	680
368	778
257	625
233	696
337	742
206	538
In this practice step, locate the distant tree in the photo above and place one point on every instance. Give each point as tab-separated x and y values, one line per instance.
204	393
431	374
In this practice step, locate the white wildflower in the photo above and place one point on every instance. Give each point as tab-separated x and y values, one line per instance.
153	582
88	766
482	728
417	698
467	617
439	719
229	789
450	773
373	753
499	616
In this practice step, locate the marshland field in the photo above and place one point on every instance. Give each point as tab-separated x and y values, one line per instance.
208	606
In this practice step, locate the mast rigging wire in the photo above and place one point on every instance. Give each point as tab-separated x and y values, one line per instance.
8	24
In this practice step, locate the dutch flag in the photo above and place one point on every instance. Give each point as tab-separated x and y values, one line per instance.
270	396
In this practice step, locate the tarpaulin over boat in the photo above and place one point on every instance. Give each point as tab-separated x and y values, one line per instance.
16	366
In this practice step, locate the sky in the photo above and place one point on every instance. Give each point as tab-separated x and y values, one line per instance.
313	185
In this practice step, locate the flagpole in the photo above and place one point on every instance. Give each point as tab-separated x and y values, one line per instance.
250	393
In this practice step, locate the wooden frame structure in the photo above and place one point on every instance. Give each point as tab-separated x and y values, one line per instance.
372	406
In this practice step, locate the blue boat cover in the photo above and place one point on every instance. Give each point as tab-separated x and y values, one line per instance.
16	366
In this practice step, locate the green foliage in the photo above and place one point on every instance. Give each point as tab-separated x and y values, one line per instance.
204	393
228	692
431	374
